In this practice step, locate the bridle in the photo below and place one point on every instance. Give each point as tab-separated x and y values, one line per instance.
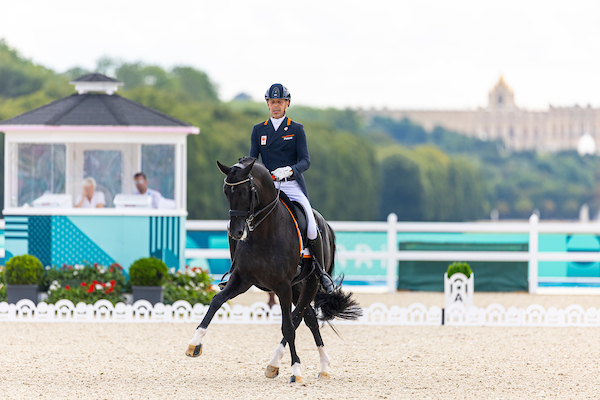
254	201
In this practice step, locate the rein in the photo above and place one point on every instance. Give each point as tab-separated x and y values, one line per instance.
254	200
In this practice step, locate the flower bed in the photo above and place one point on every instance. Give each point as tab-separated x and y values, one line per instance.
89	283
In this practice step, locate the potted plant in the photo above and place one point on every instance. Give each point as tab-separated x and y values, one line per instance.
460	289
23	275
147	276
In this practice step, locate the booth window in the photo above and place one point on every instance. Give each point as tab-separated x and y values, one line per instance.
158	163
105	167
41	170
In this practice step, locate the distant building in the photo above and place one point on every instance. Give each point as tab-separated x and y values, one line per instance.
558	128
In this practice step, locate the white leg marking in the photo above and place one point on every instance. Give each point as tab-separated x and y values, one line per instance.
296	369
277	356
200	332
325	359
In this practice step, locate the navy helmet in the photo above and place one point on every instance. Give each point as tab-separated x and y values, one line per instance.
278	91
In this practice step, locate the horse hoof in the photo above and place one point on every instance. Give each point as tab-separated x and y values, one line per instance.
296	379
194	351
324	375
271	371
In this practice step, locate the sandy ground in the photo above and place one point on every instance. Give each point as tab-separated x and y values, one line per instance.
109	361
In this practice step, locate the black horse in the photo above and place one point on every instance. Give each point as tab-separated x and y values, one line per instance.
267	255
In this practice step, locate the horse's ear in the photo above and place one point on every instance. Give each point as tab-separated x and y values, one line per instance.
248	168
224	169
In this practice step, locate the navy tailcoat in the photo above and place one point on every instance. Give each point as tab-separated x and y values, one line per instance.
283	147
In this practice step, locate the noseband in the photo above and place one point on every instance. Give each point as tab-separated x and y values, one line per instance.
254	201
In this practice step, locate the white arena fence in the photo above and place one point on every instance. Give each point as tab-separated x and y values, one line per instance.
391	255
181	311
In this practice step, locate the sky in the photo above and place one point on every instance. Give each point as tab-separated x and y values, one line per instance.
426	54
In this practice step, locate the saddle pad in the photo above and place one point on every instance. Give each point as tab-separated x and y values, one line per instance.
298	213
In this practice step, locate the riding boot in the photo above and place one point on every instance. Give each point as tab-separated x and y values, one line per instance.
316	249
232	246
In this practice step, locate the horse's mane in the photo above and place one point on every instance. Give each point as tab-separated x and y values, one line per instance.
259	171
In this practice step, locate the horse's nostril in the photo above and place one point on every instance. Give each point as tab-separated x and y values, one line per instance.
240	233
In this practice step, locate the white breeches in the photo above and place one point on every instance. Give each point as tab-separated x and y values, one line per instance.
293	191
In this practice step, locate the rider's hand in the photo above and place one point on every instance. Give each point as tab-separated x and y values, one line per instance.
282	173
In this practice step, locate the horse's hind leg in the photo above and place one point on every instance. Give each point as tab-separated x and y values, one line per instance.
310	317
236	285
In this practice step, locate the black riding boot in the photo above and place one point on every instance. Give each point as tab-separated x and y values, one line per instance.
232	246
316	249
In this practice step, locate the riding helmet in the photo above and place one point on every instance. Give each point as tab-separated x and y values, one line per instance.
278	91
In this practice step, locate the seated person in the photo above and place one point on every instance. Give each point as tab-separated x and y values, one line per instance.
89	198
141	183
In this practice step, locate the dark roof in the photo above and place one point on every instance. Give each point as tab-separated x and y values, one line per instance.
95	77
94	109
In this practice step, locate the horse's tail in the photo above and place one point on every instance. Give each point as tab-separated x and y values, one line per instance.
336	304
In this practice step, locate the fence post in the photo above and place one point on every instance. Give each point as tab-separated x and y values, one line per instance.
392	269
533	253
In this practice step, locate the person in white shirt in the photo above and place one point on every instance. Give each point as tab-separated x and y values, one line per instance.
89	198
141	183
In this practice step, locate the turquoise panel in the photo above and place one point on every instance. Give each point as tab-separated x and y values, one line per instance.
122	238
69	245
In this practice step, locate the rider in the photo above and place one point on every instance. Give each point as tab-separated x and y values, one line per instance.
281	144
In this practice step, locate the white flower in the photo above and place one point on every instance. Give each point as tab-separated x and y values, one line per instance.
75	273
98	286
172	270
101	270
79	266
47	267
108	285
190	273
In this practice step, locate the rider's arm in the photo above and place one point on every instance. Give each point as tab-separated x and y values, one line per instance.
302	152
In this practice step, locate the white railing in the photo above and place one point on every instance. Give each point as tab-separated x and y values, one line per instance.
392	255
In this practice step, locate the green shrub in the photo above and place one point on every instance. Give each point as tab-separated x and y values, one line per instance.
2	285
461	267
148	272
23	270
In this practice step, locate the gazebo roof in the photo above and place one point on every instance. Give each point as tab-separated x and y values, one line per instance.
94	109
96	105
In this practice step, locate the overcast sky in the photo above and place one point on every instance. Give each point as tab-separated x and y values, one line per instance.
398	54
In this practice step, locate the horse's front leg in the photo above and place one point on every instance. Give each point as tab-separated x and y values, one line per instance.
236	285
289	331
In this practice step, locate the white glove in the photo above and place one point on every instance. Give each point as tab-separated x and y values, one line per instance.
282	173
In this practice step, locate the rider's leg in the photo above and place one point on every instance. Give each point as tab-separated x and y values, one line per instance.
315	241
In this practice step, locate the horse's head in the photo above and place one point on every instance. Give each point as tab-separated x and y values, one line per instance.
244	184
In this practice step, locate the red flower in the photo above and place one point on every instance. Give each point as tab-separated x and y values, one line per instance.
112	283
83	284
111	269
70	267
95	264
90	289
64	265
110	290
67	287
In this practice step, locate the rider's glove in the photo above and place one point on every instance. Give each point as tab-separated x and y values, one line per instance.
282	173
